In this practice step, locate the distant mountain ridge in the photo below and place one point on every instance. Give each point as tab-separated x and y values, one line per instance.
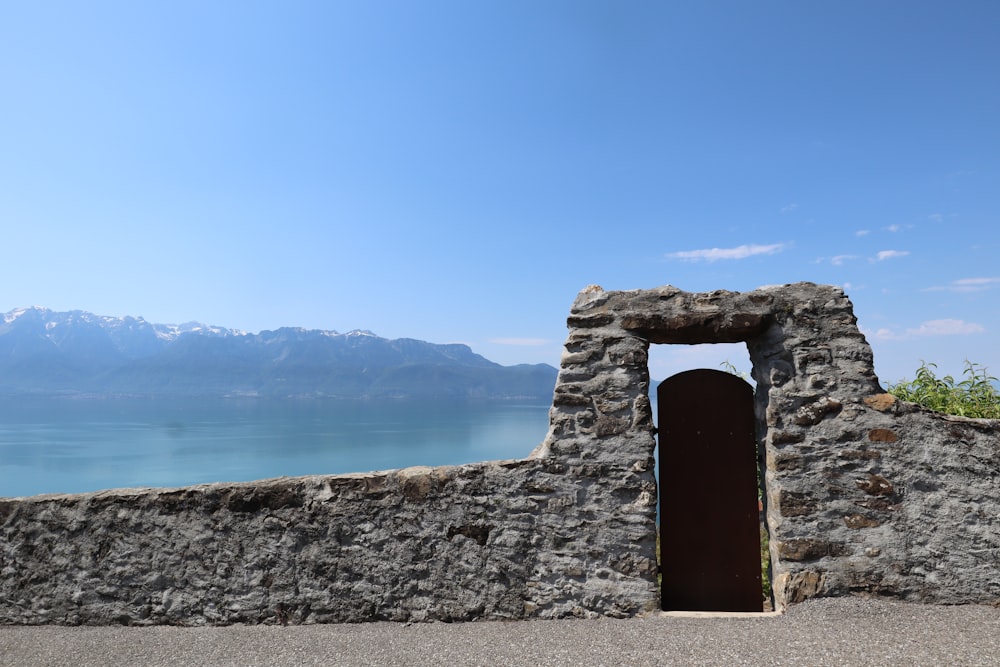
79	353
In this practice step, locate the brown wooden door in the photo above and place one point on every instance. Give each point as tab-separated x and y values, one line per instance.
709	522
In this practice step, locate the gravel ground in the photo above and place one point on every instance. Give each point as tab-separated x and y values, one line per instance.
844	631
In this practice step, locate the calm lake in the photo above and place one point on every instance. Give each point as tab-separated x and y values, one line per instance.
77	445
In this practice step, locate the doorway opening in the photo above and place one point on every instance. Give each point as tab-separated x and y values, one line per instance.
712	541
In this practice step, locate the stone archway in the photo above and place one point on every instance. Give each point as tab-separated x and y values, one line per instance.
812	366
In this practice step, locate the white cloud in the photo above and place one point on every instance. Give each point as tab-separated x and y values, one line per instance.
789	208
946	327
943	327
839	260
739	252
863	232
966	285
898	228
528	342
891	254
886	334
975	283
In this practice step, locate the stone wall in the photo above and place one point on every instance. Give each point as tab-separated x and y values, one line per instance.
506	540
863	495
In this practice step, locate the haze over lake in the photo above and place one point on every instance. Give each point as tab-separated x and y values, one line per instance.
77	445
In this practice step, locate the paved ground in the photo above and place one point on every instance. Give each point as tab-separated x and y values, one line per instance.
846	631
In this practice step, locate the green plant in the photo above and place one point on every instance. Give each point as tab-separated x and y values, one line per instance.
975	395
765	564
728	367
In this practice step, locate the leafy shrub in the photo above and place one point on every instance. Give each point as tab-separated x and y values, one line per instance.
765	564
974	396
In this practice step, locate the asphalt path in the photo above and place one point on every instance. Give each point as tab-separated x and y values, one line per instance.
845	631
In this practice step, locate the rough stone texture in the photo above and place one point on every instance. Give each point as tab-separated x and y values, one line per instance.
863	494
494	540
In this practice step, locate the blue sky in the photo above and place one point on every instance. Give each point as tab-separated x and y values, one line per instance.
457	171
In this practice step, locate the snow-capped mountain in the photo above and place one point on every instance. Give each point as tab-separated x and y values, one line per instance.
49	352
114	325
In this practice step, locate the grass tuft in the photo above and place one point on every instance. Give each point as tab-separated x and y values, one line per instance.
975	395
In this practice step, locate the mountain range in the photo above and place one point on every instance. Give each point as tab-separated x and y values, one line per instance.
44	352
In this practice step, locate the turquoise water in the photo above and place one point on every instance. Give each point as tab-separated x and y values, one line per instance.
71	446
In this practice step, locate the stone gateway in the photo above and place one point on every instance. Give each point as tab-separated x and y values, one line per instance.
863	494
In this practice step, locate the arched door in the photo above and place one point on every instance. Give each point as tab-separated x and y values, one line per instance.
709	522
